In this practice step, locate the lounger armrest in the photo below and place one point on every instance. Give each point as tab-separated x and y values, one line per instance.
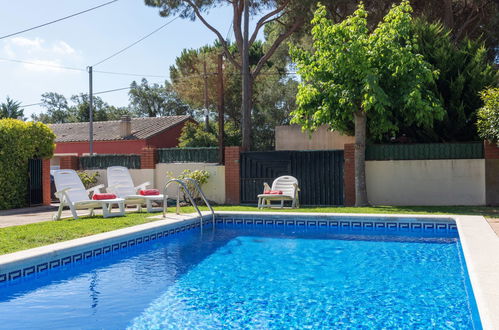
296	186
143	185
60	194
95	189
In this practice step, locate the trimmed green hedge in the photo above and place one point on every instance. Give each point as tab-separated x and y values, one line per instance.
99	162
19	142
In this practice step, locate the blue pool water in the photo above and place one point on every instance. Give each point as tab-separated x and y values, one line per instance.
258	277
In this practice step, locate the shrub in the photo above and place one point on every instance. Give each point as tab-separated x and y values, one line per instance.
201	176
488	115
195	135
88	180
19	142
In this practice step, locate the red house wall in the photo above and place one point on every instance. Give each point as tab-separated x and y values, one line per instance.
166	139
101	147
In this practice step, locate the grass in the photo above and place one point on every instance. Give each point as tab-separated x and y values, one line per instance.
43	233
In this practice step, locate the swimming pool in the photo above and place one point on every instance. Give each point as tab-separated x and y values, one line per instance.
259	273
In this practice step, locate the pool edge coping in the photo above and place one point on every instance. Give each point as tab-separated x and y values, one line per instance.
478	242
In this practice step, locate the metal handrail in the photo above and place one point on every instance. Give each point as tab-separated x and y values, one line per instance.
201	193
186	190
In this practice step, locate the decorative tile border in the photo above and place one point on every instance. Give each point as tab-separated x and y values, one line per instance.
362	223
128	242
368	223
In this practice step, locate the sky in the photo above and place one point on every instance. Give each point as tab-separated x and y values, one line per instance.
85	40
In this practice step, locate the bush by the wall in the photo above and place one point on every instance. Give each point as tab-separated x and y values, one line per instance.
19	142
488	115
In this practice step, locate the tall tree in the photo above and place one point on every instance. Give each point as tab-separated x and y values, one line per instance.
470	19
464	71
358	79
11	109
155	100
79	112
274	91
57	109
291	14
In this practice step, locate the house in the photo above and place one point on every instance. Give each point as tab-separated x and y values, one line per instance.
125	136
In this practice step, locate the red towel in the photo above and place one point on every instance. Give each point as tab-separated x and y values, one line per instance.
102	196
149	192
273	192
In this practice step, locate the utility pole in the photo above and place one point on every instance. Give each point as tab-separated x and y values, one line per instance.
246	101
221	111
90	112
206	111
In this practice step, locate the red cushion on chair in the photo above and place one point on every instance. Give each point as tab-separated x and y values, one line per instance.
273	192
149	192
101	196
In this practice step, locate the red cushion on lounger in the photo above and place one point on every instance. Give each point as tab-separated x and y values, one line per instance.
149	192
101	196
273	192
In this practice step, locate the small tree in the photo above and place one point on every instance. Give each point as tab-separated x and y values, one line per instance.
488	115
11	109
357	80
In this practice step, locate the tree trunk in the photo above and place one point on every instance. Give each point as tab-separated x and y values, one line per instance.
246	84
360	159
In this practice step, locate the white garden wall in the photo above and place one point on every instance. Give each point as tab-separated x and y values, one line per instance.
426	182
214	189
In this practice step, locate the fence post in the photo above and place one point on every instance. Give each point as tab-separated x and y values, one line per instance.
148	158
46	193
491	155
349	174
232	176
69	163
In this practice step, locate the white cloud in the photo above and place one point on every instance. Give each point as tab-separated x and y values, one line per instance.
31	44
63	48
48	55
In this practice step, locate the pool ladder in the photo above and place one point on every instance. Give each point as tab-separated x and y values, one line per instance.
182	184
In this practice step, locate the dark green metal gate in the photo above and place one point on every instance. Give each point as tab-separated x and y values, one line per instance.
319	174
35	193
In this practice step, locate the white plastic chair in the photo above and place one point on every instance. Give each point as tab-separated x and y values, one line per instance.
289	187
120	183
72	193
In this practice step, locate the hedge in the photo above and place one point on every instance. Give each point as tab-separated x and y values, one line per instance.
19	142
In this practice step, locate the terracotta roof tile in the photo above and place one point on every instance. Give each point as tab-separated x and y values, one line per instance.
142	128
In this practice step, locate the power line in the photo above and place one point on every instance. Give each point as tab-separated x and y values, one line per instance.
57	20
131	74
79	69
136	42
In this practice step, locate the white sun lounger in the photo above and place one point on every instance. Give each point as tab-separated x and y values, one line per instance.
120	183
289	187
72	193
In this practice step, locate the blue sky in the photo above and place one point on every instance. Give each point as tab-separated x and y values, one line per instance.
87	39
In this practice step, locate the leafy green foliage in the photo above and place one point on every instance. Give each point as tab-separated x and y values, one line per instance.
156	100
19	142
464	71
194	135
58	110
11	109
201	176
352	69
488	115
88	179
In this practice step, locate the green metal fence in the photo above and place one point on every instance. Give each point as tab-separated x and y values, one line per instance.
96	162
186	155
473	150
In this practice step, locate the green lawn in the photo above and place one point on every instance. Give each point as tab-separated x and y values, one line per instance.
38	234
